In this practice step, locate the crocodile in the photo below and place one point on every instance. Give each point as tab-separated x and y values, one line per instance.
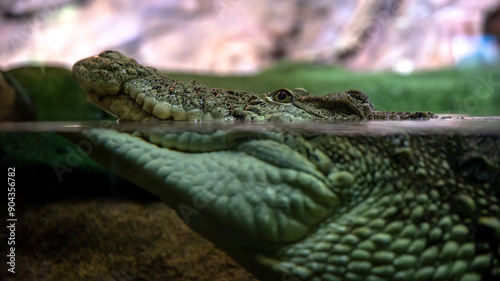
289	203
130	91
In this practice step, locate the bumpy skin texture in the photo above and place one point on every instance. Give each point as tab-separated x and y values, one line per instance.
130	91
294	206
290	205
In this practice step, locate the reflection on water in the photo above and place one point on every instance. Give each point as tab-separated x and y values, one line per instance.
467	124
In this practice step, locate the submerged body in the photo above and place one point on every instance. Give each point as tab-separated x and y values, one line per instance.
294	205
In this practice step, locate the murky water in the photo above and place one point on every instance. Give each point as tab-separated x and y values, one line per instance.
64	201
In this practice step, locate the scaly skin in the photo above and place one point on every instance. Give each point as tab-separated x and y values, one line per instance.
295	205
130	91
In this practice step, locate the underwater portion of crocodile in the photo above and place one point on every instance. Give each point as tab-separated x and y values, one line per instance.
130	91
289	205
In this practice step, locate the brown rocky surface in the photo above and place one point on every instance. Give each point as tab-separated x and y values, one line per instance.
236	36
103	239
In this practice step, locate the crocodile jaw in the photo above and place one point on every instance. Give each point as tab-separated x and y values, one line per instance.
238	199
122	87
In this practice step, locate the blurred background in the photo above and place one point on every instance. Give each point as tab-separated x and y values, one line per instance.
244	37
450	47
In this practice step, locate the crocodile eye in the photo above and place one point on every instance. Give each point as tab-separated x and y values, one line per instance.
282	96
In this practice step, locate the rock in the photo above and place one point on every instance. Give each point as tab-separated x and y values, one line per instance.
243	37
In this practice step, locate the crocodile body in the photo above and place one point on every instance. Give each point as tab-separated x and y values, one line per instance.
290	204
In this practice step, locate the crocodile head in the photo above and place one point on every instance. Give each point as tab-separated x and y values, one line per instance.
130	91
